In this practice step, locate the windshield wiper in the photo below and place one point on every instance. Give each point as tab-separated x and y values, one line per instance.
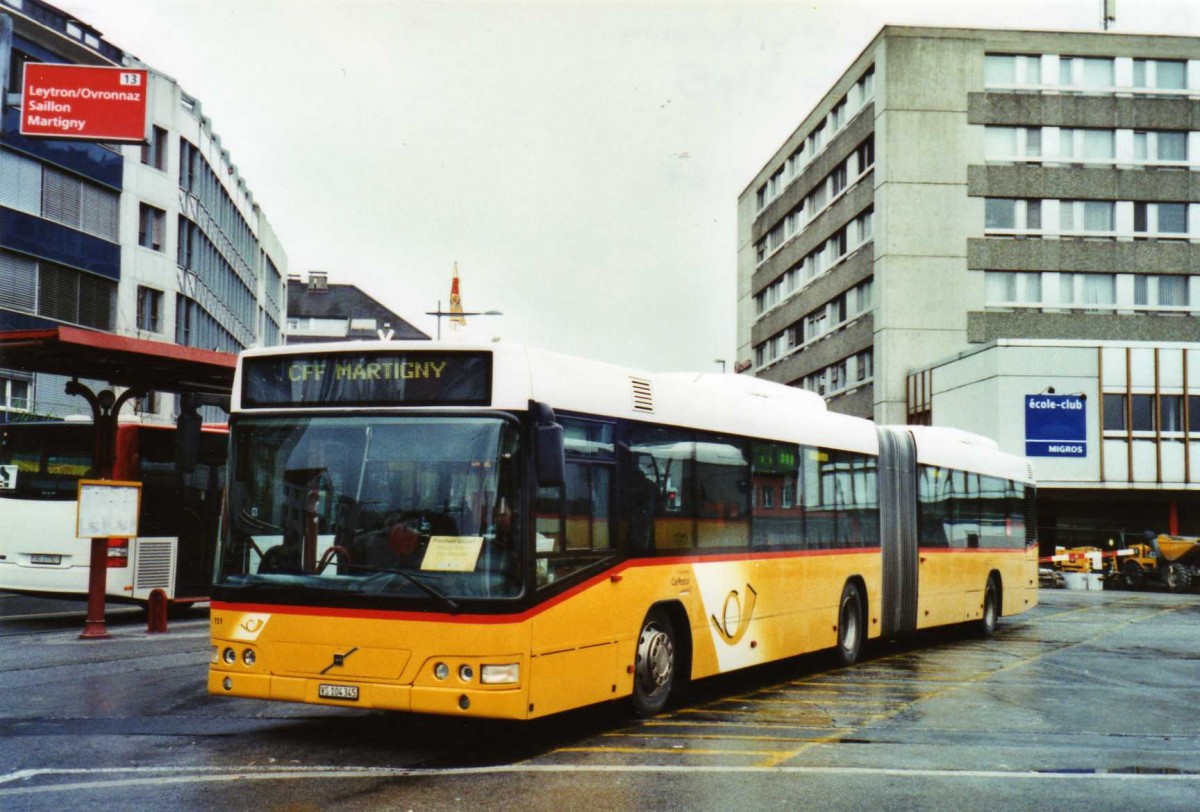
420	584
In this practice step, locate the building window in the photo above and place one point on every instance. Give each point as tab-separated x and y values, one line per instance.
838	180
1003	70
1012	143
1161	291
1153	146
15	393
1087	216
1160	74
154	152
1143	413
18	282
865	364
1008	288
837	116
1171	413
1086	145
151	226
1160	218
68	295
1090	291
149	309
1005	214
1087	73
1114	413
865	153
84	206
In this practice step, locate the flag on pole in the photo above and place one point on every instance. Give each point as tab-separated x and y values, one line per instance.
456	307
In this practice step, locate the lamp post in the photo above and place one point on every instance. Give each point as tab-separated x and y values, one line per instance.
439	313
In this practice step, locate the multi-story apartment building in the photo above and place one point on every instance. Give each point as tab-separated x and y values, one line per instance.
973	224
162	241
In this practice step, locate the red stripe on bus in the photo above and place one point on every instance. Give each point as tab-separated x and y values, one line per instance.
521	617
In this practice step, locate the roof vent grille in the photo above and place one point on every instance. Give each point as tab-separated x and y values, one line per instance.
643	395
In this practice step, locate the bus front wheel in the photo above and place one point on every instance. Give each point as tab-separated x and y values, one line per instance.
655	664
850	624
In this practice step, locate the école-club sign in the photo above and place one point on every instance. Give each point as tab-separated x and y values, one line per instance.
1055	426
84	102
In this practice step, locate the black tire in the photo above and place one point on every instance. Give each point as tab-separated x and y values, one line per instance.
986	626
655	664
1132	575
850	625
1176	578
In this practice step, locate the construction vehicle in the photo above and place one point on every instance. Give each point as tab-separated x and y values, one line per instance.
1173	561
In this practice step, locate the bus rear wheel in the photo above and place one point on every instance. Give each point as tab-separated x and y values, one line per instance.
850	625
991	609
655	664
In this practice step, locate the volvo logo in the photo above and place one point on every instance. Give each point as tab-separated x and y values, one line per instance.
339	660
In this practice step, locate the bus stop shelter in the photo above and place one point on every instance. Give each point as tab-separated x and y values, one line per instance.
136	365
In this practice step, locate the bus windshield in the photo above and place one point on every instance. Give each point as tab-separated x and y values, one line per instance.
421	507
44	460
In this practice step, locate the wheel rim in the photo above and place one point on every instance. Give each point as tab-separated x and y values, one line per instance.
849	624
655	659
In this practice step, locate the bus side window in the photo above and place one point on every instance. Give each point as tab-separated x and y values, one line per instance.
573	522
669	455
777	483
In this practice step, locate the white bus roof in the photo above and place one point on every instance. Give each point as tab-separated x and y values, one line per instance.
732	404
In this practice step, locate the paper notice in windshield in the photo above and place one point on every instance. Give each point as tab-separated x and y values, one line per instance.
452	553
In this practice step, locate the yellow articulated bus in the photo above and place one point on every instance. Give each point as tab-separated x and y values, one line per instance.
504	532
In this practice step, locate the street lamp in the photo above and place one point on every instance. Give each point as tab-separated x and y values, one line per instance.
439	313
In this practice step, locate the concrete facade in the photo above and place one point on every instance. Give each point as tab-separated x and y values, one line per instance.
161	241
1026	186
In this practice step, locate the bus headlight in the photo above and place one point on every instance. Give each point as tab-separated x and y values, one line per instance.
441	670
500	674
248	656
215	657
466	673
229	656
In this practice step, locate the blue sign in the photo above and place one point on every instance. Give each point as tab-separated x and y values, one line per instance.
1055	426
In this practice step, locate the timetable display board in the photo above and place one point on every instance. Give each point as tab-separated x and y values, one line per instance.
108	509
412	378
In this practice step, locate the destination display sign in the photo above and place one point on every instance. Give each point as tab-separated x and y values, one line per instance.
368	379
84	102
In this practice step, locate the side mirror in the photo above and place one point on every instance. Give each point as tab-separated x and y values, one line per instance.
549	451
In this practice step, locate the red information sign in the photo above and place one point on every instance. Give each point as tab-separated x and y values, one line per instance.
81	101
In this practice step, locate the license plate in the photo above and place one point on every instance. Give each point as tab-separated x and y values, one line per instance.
53	560
348	693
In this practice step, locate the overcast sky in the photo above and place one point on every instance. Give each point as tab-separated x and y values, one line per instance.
581	162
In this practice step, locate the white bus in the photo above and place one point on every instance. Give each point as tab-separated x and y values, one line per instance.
41	464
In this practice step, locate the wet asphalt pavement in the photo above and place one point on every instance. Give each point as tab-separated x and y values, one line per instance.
1091	700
